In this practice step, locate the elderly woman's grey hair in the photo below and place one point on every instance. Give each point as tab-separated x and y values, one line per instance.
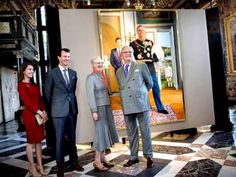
95	60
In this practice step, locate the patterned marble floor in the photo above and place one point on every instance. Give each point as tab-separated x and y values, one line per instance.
203	154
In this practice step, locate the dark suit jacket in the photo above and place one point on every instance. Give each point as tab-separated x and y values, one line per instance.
60	96
115	59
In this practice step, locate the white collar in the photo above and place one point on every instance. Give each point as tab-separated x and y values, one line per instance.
127	64
62	68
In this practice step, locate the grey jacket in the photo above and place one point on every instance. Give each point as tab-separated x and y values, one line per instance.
134	88
97	93
60	97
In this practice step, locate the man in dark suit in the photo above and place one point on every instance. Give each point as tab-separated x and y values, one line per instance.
143	51
134	82
59	88
115	54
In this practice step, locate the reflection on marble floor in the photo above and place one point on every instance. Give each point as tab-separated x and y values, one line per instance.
203	154
204	167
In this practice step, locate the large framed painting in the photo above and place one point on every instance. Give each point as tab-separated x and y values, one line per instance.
123	23
230	32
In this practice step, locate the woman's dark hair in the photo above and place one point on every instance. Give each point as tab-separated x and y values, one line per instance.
23	68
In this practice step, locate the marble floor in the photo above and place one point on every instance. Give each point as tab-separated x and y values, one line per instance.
203	154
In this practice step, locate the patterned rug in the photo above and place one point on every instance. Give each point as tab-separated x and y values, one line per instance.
155	117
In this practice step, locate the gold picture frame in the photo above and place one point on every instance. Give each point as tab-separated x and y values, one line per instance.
230	32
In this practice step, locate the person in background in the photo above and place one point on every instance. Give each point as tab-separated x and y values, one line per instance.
143	51
31	98
105	132
59	89
115	54
134	83
168	75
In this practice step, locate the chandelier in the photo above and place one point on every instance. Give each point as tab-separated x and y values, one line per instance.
140	4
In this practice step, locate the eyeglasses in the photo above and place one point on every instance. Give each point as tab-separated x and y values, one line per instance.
127	52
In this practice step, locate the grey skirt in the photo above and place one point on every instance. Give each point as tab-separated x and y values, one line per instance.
105	134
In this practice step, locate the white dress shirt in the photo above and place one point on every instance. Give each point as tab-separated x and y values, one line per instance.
62	72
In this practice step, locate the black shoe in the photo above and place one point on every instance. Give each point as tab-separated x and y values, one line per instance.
149	162
163	111
77	167
131	162
60	171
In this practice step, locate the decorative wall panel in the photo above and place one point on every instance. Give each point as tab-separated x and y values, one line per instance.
9	92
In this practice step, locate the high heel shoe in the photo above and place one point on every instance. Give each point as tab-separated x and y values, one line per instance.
41	170
32	173
108	164
98	167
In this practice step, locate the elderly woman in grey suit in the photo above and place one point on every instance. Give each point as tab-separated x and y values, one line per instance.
105	132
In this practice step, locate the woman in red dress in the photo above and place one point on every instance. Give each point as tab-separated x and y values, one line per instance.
30	95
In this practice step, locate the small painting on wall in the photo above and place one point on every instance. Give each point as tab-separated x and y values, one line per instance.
148	17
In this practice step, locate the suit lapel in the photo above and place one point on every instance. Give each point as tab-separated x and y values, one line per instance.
131	69
58	71
70	77
122	76
124	79
116	53
98	76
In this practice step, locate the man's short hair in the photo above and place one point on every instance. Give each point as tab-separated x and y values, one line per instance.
139	27
118	38
62	49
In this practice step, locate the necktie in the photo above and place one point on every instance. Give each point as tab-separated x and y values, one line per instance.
126	70
65	77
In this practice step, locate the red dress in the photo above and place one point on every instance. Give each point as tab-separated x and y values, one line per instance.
31	98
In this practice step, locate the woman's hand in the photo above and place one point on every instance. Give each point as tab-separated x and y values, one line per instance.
95	116
40	113
45	116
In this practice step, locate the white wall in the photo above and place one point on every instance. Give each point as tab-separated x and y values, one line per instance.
79	32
